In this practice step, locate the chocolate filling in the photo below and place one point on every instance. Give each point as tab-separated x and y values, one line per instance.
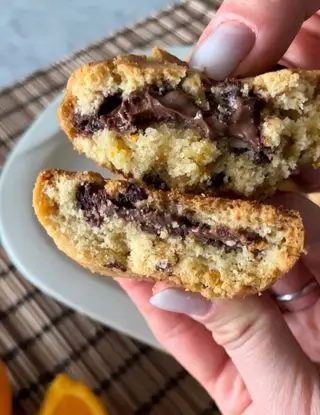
154	180
228	112
97	205
218	179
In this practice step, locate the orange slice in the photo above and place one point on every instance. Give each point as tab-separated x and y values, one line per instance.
5	391
68	397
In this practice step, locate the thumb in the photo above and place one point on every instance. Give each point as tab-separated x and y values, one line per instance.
255	336
249	35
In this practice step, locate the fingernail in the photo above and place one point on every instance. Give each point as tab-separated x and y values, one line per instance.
222	50
179	301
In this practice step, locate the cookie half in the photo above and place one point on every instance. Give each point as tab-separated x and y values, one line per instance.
217	247
164	124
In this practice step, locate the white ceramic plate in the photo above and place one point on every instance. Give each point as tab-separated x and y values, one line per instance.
33	252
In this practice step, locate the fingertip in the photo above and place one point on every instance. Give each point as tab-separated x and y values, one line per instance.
179	301
246	41
222	50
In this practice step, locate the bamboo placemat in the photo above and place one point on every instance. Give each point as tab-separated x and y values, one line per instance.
40	337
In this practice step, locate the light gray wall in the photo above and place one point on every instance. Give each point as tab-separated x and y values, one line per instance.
35	33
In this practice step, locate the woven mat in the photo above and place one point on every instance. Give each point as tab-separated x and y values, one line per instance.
40	337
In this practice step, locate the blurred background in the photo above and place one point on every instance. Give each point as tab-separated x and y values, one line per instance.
35	33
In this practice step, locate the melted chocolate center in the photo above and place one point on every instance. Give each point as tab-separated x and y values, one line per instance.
97	205
228	113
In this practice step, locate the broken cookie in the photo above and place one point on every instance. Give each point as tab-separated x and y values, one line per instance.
165	124
217	247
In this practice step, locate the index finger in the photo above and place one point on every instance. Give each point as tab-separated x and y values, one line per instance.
193	347
249	36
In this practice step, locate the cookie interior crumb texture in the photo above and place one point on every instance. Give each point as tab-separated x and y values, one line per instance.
169	126
218	247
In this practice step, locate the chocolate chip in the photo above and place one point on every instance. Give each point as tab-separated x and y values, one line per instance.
109	104
116	265
228	113
135	193
164	265
97	205
218	179
87	124
90	198
154	180
251	237
132	194
161	89
262	157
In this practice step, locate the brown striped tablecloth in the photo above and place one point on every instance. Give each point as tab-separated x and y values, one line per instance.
40	337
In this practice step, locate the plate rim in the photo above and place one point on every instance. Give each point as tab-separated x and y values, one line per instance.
23	145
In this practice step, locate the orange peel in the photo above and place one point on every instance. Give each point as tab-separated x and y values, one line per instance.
5	391
66	396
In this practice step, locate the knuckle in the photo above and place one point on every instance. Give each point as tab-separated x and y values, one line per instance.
239	332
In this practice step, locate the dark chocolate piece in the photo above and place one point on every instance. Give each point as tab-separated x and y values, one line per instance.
89	198
116	265
164	265
110	104
228	112
218	179
131	196
97	205
154	180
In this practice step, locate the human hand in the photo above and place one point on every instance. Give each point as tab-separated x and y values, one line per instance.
251	355
247	37
243	351
259	34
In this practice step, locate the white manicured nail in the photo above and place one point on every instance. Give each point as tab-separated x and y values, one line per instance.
179	301
222	51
